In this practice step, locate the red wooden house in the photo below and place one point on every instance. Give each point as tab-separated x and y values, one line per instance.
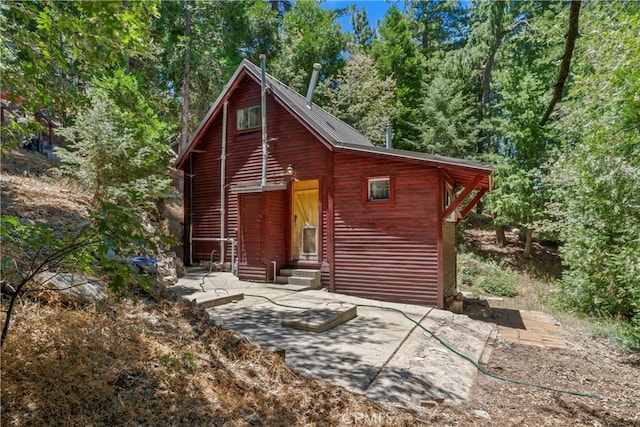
313	193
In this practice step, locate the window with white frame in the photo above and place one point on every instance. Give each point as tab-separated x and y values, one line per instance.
248	118
378	189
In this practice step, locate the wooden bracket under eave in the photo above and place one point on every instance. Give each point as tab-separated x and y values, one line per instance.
471	205
455	204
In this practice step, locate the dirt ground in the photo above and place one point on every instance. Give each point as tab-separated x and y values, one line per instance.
155	362
590	364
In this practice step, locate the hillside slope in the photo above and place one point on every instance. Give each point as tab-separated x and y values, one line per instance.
156	360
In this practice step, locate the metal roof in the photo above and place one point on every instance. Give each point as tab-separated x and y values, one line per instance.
333	130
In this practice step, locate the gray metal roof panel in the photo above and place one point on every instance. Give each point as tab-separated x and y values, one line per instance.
416	155
334	130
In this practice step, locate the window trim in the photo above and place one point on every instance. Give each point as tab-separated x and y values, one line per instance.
249	128
366	193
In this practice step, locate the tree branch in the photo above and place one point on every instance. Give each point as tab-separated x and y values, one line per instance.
572	35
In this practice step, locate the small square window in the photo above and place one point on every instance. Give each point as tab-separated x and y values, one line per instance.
248	118
378	189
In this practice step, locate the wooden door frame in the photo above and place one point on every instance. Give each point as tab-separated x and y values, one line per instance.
321	226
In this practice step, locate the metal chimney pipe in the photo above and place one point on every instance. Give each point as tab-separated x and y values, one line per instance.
263	111
312	84
389	139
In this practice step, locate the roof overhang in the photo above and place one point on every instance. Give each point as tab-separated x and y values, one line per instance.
459	171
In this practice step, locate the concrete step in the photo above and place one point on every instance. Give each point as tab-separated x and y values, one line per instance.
312	279
319	319
312	282
212	299
282	279
286	272
299	272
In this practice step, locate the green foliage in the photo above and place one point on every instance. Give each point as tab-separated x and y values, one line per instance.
360	98
116	147
50	49
449	127
363	35
98	247
595	178
309	35
488	276
518	196
442	25
398	54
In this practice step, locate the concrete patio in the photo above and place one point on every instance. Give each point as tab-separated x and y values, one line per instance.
379	353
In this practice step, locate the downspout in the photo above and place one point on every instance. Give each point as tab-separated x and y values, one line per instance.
263	110
223	196
190	209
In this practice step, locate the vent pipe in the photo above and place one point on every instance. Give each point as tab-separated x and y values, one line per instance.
389	138
263	111
312	84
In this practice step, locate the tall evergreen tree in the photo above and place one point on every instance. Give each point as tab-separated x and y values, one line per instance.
442	25
363	34
309	35
595	178
358	96
398	54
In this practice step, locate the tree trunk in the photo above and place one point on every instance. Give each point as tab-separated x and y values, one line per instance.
501	238
572	35
484	143
184	131
486	75
528	244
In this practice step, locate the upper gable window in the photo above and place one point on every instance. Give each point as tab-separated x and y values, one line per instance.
248	118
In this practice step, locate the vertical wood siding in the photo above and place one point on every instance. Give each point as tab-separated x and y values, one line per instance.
275	235
289	143
386	250
449	258
251	243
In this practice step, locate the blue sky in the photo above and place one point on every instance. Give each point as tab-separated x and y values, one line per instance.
375	9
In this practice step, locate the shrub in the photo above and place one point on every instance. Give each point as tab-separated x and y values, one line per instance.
488	276
499	282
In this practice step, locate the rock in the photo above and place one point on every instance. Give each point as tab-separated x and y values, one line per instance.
145	265
481	414
633	359
179	265
75	287
169	280
253	419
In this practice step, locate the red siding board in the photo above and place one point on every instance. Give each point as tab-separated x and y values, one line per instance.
386	250
251	243
276	239
289	143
